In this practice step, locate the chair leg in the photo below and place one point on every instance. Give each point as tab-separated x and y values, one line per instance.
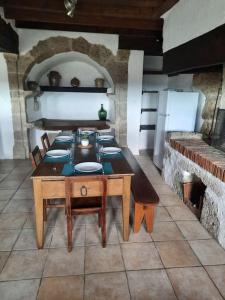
138	216
99	219
149	218
45	210
103	229
69	232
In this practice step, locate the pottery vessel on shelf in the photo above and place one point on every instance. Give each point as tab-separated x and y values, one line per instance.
75	82
32	85
54	78
99	82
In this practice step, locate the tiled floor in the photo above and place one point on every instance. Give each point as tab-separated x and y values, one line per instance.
179	260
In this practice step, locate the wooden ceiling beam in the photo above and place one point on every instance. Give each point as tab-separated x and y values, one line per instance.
9	41
164	7
204	51
85	20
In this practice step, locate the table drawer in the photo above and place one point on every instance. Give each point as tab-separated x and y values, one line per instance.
56	189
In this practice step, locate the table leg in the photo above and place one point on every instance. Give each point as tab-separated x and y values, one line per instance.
39	217
126	206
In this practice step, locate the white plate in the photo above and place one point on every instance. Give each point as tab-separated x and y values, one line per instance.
88	132
88	167
105	137
111	150
64	138
57	153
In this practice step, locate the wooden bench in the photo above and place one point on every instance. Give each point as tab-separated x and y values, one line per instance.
145	196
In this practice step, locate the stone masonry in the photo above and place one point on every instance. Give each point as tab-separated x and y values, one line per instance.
20	66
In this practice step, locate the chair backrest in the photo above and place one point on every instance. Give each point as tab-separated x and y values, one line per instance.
36	157
76	187
45	142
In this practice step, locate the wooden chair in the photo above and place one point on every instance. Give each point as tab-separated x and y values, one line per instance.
82	204
35	157
45	142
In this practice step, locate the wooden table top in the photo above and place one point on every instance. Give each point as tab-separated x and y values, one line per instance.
46	169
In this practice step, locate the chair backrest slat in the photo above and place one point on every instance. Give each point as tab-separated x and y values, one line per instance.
45	142
36	157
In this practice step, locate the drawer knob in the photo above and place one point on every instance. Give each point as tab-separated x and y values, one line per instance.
83	191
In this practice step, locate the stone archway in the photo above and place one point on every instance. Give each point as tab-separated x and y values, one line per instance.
20	66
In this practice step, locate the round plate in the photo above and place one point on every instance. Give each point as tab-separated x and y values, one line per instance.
57	153
88	132
64	138
105	137
111	150
88	167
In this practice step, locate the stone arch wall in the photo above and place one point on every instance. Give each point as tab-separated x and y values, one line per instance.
19	67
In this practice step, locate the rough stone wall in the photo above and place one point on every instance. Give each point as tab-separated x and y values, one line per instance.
213	211
20	66
210	85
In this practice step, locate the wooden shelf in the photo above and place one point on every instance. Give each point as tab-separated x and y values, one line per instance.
147	127
152	92
60	89
148	109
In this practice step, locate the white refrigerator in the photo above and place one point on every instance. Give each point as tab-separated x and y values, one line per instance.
176	112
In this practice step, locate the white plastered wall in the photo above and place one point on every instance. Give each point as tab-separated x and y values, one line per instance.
189	19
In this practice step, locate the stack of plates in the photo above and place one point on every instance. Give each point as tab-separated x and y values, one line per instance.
87	132
88	167
57	153
105	137
64	138
111	150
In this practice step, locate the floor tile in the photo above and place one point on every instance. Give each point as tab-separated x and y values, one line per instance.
150	285
24	194
94	236
27	184
12	221
176	254
19	290
114	216
140	256
59	238
3	205
6	194
217	274
170	200
10	184
181	213
193	283
162	215
116	202
27	239
209	252
98	259
110	286
24	265
20	205
7	239
3	258
63	288
62	263
141	237
193	230
2	176
166	231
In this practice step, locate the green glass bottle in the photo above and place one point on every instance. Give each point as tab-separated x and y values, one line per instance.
102	113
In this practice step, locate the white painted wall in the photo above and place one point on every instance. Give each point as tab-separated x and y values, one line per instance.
189	19
6	125
134	98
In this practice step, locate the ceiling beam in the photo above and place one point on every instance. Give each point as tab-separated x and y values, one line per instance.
203	51
9	41
83	20
164	7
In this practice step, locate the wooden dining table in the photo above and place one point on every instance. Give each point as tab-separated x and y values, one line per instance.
49	183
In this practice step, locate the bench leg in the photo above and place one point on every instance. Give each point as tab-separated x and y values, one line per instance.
149	218
138	216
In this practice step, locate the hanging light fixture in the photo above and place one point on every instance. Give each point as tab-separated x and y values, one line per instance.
70	6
